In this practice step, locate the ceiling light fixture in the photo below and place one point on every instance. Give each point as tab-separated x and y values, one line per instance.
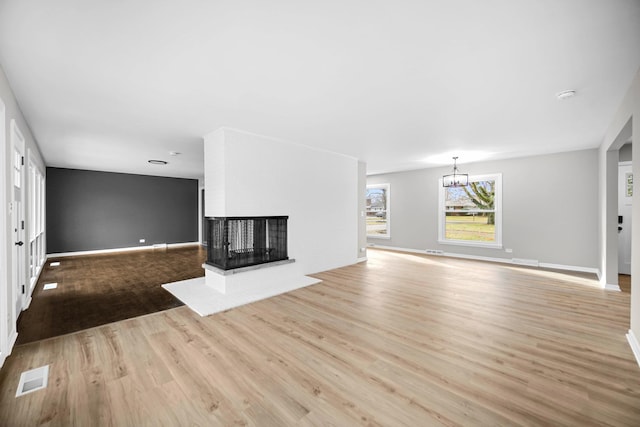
565	94
158	162
455	179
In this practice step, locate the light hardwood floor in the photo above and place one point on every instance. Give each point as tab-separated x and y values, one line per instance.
402	339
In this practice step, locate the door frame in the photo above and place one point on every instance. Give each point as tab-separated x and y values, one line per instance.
627	221
5	347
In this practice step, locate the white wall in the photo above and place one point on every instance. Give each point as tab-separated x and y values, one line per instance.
623	125
362	206
546	217
626	153
7	293
253	175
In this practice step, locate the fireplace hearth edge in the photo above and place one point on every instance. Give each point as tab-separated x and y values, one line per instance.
232	271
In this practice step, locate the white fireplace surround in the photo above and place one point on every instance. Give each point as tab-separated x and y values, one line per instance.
251	175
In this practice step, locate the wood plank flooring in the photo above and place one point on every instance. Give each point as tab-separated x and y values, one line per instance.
95	290
399	340
624	281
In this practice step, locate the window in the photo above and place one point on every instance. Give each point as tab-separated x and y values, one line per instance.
36	220
378	213
472	215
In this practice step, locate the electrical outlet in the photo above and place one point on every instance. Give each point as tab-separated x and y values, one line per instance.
142	240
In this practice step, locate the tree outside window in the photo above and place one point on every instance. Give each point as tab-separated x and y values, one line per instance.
471	214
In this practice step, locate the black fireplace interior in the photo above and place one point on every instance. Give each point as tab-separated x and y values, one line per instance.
234	242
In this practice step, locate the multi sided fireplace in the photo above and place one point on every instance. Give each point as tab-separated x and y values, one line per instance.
235	242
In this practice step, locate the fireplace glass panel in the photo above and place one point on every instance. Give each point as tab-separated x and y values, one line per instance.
235	242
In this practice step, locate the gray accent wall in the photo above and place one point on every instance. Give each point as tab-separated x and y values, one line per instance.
550	209
90	210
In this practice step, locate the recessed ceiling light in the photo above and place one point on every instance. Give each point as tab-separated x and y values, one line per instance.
157	162
174	153
565	94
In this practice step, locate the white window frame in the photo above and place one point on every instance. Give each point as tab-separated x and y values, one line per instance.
387	188
497	177
35	220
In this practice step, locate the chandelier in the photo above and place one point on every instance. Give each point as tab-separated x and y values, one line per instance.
455	179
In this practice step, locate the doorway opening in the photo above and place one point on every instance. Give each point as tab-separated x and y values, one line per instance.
625	197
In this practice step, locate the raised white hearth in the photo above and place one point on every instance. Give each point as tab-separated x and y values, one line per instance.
216	292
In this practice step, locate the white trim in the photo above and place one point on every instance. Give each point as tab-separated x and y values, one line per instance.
12	341
5	348
635	345
573	268
625	163
108	251
395	248
478	258
593	270
610	287
363	259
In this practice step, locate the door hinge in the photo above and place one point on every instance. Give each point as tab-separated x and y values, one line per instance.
23	289
22	224
22	160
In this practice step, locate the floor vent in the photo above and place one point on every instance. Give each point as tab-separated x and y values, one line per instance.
54	264
33	380
48	286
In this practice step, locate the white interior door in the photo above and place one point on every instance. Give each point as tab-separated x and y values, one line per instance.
18	252
625	193
17	221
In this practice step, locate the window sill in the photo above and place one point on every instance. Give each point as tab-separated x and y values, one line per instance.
471	244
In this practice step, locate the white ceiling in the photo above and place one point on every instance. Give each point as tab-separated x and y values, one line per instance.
107	85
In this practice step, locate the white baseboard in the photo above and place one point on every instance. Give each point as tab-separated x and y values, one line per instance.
610	287
635	345
576	268
395	248
9	349
529	263
108	251
363	259
477	257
